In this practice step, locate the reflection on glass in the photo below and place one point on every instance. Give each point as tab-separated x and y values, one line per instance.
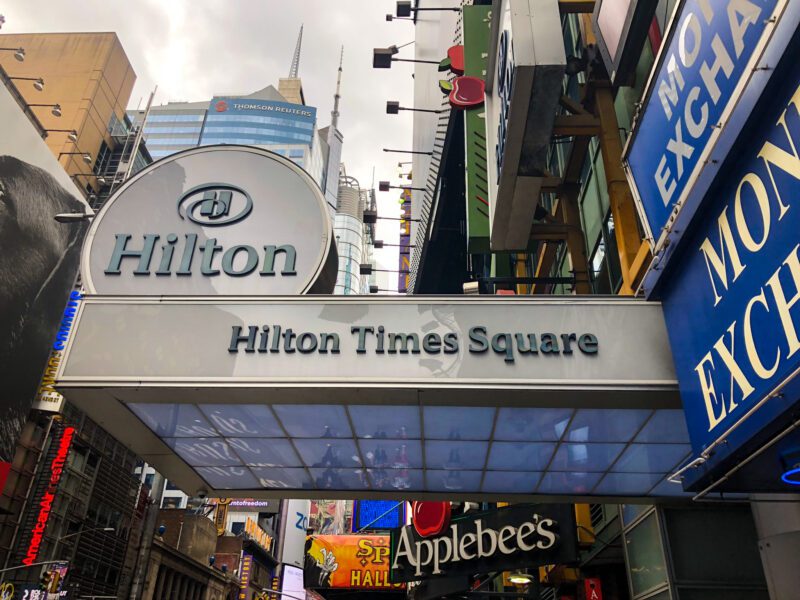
173	420
606	425
398	422
228	478
340	479
467	481
314	421
203	452
395	479
568	483
458	422
267	452
510	481
455	455
645	557
328	453
270	477
242	420
531	424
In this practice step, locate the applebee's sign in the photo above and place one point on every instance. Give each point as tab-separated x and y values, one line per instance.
506	538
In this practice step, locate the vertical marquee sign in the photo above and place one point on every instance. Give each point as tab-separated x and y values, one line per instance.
32	531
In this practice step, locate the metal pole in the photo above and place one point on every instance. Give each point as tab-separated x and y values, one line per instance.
137	586
36	564
138	139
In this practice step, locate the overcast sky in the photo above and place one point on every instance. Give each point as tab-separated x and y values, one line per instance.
195	49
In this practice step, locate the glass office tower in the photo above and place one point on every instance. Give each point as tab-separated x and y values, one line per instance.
263	119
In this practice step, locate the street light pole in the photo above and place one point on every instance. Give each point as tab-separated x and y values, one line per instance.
80	531
36	564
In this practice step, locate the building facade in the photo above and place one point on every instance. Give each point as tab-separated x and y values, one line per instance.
506	164
90	79
263	118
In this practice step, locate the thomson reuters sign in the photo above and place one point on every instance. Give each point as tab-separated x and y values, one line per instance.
210	221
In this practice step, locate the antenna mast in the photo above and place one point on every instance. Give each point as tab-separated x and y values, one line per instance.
337	95
293	70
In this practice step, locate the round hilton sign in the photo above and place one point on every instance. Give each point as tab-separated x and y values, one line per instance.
213	221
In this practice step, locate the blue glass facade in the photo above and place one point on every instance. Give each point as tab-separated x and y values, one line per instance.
285	128
258	122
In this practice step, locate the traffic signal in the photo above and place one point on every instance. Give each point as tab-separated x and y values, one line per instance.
45	580
49	581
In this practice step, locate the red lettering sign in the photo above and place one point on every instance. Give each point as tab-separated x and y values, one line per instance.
56	468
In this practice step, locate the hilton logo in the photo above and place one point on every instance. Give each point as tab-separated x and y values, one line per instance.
207	205
211	204
222	220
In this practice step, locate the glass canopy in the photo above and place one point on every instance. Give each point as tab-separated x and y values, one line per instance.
396	449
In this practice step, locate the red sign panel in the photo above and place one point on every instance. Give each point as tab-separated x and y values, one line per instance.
593	589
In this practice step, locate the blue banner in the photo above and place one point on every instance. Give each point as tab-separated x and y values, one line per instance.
732	306
692	92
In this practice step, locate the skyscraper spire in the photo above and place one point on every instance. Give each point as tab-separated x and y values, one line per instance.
293	70
337	95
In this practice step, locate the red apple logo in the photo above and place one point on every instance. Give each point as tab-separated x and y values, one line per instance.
464	92
454	61
430	518
221	106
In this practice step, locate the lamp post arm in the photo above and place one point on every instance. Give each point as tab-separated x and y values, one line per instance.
36	564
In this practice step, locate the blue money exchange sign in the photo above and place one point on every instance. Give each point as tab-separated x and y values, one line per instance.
732	306
708	60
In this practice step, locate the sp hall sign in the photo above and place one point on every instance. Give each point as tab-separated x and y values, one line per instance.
213	221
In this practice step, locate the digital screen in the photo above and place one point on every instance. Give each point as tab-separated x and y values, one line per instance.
371	515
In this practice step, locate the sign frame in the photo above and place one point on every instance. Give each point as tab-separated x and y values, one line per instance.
322	275
562	548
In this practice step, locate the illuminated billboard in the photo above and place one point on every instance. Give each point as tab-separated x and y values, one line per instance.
348	561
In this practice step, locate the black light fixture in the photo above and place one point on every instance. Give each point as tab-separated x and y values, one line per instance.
72	135
408	151
19	53
393	107
87	158
393	18
370	217
101	180
380	244
404	8
384	186
374	289
74	217
368	269
382	58
55	109
38	82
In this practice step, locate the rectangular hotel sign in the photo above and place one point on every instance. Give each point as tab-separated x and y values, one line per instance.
565	346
